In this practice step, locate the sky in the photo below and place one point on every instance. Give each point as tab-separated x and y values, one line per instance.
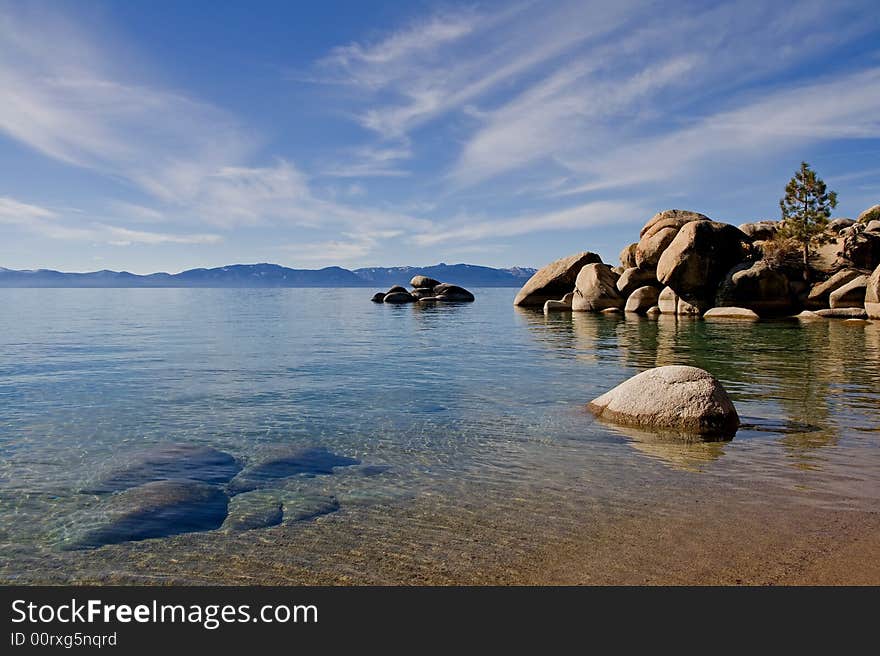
161	136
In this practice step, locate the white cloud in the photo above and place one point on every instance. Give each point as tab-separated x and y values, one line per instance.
580	216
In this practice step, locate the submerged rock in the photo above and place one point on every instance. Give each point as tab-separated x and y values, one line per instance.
311	461
166	462
680	398
299	507
554	280
152	510
253	510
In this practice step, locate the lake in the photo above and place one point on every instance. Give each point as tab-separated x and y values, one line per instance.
475	453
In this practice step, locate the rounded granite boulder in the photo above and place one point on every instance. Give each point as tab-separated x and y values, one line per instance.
670	398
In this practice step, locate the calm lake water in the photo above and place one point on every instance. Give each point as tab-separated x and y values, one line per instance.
476	406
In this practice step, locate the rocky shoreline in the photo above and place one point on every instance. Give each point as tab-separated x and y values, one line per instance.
686	264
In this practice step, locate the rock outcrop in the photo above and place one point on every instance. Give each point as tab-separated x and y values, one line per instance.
554	280
596	289
819	293
850	295
698	259
757	286
671	398
872	293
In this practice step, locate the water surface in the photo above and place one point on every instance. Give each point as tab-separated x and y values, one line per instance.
471	410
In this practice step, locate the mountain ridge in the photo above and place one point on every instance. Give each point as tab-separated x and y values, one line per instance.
269	275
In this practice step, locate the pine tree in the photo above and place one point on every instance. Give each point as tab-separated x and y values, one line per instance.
806	206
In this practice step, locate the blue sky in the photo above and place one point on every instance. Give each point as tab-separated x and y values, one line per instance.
160	135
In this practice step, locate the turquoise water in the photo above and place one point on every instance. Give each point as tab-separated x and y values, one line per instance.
445	402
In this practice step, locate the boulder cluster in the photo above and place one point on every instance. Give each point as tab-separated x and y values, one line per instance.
424	290
684	263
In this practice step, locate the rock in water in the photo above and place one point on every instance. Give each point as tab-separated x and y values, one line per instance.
152	510
554	280
447	292
872	295
255	509
563	305
378	297
400	297
596	289
642	299
397	289
679	398
423	282
843	313
730	312
166	462
850	295
299	508
422	292
698	259
308	462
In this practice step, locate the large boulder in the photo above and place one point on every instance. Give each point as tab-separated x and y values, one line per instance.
423	281
642	299
631	279
757	286
452	293
554	280
698	259
152	510
563	305
818	296
850	295
667	301
628	256
670	219
837	225
872	294
860	247
164	462
422	292
651	247
760	230
676	398
397	289
870	214
596	289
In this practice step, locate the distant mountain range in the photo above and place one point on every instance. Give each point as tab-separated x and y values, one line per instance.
272	275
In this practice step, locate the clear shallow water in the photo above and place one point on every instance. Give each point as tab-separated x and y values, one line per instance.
473	405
